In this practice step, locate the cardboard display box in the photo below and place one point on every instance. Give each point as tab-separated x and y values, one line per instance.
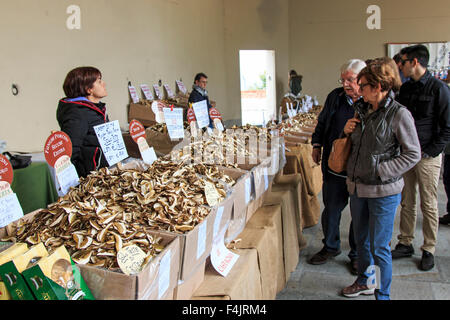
294	184
185	289
242	283
265	239
161	142
155	282
142	113
290	237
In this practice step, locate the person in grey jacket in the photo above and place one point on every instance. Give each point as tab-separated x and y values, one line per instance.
384	146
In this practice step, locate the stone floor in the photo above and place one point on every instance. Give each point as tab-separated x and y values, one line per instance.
324	282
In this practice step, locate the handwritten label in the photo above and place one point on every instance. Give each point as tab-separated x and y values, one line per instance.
211	193
174	122
157	108
66	174
248	190
133	94
111	141
217	222
201	241
6	170
218	125
169	91
181	86
157	91
147	92
130	259
222	259
5	189
201	113
164	274
10	209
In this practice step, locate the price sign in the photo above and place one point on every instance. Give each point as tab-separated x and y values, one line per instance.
181	86
57	152
147	92
174	122
137	130
169	91
6	170
157	108
133	94
10	209
130	259
158	93
191	115
211	193
222	259
201	113
111	141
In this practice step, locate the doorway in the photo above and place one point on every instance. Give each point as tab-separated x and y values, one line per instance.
258	86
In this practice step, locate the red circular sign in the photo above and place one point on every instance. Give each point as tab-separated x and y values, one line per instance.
6	170
215	114
56	146
137	130
191	115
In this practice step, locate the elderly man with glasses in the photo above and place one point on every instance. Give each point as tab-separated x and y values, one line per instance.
337	110
428	100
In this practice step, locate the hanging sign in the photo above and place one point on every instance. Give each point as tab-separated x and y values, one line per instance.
133	94
169	91
157	108
10	209
201	113
174	122
57	152
157	91
181	86
137	132
222	259
111	140
147	92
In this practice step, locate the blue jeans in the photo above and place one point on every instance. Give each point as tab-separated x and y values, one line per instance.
335	199
373	222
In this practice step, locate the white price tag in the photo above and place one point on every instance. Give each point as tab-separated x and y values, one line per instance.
134	94
148	154
169	91
222	259
147	92
201	241
164	274
10	209
174	122
181	86
201	113
67	177
158	93
111	140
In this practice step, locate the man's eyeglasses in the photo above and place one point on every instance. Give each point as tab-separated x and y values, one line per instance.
404	61
341	81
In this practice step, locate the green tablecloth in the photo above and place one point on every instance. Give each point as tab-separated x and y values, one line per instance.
34	187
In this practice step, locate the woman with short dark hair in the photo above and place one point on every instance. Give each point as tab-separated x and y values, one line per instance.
384	146
79	112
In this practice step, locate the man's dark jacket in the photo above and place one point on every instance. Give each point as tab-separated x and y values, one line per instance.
428	100
77	120
197	97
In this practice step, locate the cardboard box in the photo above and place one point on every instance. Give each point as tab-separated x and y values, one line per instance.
154	282
56	277
161	142
265	239
185	289
11	272
142	113
242	283
294	184
290	237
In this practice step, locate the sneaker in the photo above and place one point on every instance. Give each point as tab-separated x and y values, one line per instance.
322	256
356	289
402	251
445	219
427	262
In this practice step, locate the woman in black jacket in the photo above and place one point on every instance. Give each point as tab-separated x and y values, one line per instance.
79	112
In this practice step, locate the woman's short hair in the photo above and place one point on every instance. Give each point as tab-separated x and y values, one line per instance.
383	71
79	80
354	65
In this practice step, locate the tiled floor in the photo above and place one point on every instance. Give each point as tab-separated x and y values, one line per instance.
324	282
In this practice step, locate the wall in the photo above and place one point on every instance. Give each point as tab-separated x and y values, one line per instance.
136	40
325	34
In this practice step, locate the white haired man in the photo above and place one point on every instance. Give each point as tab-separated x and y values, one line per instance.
337	110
